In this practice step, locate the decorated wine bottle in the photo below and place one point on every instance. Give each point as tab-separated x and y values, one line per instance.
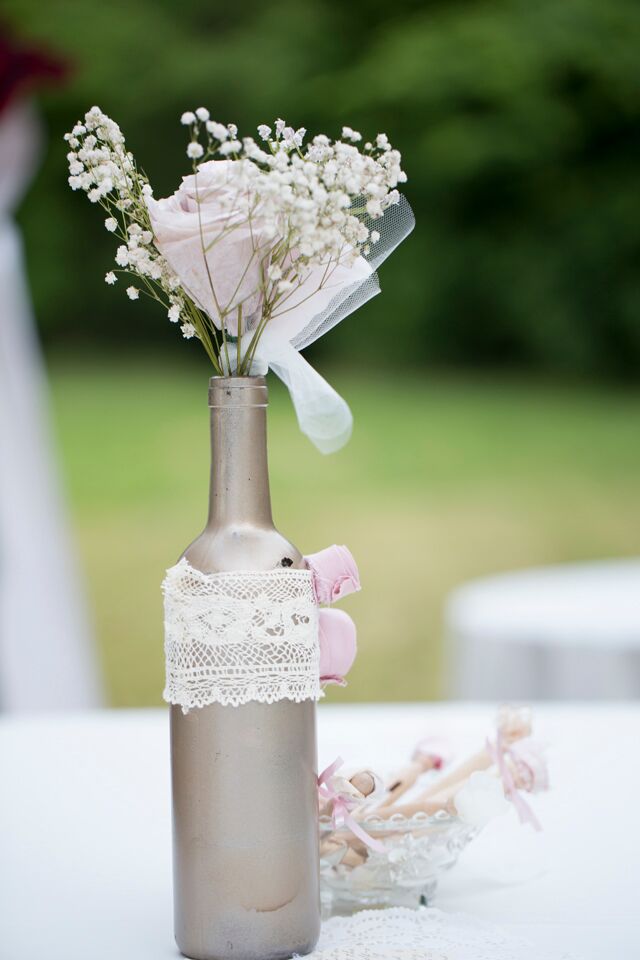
245	832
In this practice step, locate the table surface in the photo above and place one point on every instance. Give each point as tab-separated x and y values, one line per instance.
85	864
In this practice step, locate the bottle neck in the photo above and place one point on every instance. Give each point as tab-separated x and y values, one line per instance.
239	486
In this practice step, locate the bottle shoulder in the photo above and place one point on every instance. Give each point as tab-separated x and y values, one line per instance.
242	547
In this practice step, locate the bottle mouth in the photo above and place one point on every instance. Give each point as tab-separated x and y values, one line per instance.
238	392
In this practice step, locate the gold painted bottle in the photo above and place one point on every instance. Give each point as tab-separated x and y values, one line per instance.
245	831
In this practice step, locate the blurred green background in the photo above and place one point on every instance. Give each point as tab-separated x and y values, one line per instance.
494	382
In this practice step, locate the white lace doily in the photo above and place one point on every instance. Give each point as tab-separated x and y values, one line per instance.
235	637
424	934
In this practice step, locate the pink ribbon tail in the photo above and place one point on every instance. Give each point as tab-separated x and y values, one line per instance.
524	811
341	806
342	816
329	771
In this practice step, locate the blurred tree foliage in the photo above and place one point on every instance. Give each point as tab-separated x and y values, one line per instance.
519	123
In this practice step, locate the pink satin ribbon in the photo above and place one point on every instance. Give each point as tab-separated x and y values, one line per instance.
342	804
498	753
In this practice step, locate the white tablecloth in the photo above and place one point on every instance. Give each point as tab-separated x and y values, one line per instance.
85	859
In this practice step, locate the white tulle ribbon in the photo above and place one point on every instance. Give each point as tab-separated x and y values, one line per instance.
323	415
316	307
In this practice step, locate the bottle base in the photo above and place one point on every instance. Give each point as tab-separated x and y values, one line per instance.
232	954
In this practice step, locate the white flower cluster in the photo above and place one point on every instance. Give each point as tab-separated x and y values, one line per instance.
320	198
101	166
306	210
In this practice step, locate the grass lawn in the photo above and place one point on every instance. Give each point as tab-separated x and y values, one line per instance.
444	479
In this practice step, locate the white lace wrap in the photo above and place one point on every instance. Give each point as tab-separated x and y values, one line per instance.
235	637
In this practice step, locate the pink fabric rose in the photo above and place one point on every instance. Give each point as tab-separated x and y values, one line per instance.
335	573
338	645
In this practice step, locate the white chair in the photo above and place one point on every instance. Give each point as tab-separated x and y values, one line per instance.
566	632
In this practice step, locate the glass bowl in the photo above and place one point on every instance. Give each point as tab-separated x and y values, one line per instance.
417	850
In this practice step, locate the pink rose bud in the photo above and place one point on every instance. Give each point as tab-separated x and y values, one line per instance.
337	645
432	753
529	766
335	574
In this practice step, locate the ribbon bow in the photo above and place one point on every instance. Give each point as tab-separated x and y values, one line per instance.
341	806
499	752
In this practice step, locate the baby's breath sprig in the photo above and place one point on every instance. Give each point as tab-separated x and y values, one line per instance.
101	166
263	227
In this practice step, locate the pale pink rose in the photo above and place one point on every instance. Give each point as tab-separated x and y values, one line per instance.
528	764
335	573
215	210
338	645
210	210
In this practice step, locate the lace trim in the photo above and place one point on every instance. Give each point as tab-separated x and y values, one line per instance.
235	637
424	934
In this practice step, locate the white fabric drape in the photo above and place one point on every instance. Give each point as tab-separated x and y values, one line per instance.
46	651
